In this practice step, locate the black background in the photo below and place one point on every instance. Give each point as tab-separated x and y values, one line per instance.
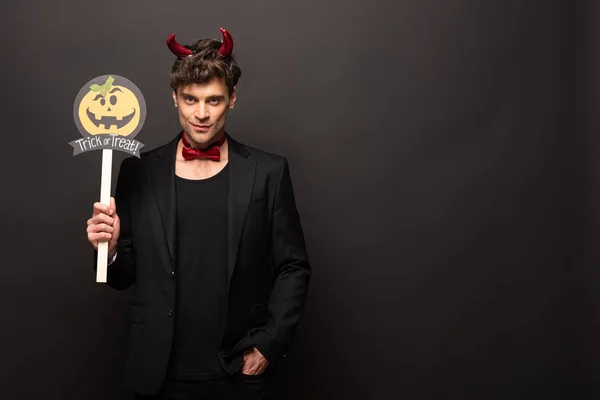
444	159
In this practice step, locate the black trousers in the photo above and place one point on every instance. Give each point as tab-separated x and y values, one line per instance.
238	387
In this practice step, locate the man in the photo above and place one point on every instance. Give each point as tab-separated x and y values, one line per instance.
208	232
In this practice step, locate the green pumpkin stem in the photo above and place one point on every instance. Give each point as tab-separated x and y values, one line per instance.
104	89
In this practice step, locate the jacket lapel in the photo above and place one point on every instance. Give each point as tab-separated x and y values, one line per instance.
242	172
163	179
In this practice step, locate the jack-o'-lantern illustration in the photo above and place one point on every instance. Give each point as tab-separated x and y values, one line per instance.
109	109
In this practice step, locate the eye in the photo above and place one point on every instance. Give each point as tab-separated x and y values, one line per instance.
102	101
214	101
113	100
188	100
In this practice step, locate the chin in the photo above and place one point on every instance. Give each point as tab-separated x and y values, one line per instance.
202	139
197	135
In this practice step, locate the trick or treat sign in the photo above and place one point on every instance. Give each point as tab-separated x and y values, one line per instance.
109	112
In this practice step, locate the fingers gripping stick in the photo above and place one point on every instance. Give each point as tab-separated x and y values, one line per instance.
102	261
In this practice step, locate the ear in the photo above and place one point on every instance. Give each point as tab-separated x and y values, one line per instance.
175	98
232	98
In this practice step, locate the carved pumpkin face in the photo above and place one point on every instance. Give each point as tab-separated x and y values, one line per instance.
109	109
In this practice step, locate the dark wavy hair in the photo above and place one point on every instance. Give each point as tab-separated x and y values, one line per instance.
205	64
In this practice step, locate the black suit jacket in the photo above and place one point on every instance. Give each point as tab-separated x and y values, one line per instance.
267	265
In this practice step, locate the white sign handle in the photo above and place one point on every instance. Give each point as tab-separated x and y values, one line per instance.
102	262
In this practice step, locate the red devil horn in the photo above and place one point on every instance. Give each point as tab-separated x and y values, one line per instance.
227	45
176	48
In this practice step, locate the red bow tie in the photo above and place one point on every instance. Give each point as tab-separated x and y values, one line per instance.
212	153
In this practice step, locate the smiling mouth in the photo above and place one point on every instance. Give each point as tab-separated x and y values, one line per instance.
201	127
109	121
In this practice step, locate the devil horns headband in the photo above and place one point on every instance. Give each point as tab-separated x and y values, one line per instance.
181	51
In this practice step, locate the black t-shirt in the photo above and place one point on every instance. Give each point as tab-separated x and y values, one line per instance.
201	277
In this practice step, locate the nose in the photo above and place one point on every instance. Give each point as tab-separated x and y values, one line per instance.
201	112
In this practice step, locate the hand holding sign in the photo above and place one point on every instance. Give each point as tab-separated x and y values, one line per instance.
104	225
109	112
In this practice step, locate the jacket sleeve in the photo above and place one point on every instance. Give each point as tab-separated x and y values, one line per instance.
121	273
292	272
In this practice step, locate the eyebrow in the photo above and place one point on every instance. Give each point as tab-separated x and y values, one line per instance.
116	89
211	96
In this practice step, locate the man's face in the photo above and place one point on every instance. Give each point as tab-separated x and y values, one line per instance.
203	110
